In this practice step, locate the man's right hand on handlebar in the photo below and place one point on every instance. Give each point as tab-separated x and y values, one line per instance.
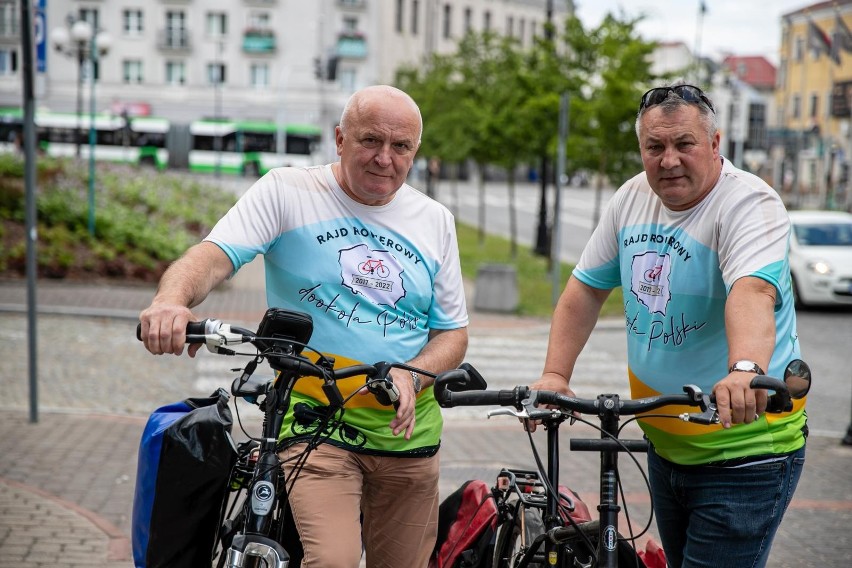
736	401
164	329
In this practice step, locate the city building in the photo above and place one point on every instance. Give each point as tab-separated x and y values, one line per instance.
286	61
812	144
743	90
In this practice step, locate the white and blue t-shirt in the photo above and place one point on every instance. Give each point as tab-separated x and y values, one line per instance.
676	269
375	280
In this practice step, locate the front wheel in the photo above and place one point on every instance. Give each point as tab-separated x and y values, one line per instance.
514	537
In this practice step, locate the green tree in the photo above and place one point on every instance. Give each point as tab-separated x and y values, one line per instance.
617	61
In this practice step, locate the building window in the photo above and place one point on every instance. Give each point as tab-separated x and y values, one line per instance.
90	15
347	80
217	24
259	20
814	107
350	25
468	20
799	49
797	104
175	73
756	126
448	23
415	13
532	29
132	71
132	22
9	19
216	73
259	75
510	26
400	4
521	30
8	61
486	21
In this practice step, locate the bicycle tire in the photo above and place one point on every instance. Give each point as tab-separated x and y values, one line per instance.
509	544
228	527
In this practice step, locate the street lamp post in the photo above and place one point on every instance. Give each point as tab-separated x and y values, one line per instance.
79	40
72	41
98	47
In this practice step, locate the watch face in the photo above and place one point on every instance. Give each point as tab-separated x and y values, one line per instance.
746	366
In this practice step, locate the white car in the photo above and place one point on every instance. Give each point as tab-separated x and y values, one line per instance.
821	257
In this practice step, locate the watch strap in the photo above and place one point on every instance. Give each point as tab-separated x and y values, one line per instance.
415	379
746	366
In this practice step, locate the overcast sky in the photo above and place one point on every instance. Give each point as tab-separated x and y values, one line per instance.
738	27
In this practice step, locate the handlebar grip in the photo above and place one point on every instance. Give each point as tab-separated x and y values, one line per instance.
194	331
480	398
607	444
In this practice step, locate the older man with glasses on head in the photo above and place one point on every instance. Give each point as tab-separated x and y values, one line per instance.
700	250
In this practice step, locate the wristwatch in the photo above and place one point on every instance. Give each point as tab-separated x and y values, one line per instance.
746	366
415	379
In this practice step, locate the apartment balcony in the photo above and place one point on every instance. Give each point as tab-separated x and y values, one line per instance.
259	41
176	40
351	45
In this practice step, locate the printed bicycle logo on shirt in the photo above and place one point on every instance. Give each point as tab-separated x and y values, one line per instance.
649	281
374	266
374	274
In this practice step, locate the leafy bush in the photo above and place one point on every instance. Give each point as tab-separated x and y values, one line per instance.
144	219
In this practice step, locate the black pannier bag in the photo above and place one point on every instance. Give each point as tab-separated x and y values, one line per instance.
185	459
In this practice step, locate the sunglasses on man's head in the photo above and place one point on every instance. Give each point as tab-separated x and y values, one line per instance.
689	93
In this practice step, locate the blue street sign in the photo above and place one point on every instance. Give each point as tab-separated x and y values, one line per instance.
40	35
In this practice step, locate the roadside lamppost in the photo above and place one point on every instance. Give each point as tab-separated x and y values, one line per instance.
71	41
99	45
80	41
74	41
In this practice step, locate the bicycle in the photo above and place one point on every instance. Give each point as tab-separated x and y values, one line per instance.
532	514
253	522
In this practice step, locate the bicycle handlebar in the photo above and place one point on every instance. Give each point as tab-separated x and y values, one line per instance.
217	335
454	388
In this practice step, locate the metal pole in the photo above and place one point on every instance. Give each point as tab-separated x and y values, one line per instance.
217	103
556	271
542	247
30	206
92	133
81	57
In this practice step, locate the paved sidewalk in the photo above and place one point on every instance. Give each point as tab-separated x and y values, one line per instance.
66	482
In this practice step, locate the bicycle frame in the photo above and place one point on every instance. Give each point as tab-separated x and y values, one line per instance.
266	491
606	552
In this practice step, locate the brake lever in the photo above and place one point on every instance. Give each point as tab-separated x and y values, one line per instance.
526	413
504	411
385	392
709	416
222	336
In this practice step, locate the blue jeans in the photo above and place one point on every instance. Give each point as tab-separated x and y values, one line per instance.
715	517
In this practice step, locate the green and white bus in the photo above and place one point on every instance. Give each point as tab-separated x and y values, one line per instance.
250	147
135	140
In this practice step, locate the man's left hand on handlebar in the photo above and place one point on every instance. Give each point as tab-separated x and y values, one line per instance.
404	419
736	401
549	382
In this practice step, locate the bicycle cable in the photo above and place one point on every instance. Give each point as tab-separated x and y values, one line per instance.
646	528
555	494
